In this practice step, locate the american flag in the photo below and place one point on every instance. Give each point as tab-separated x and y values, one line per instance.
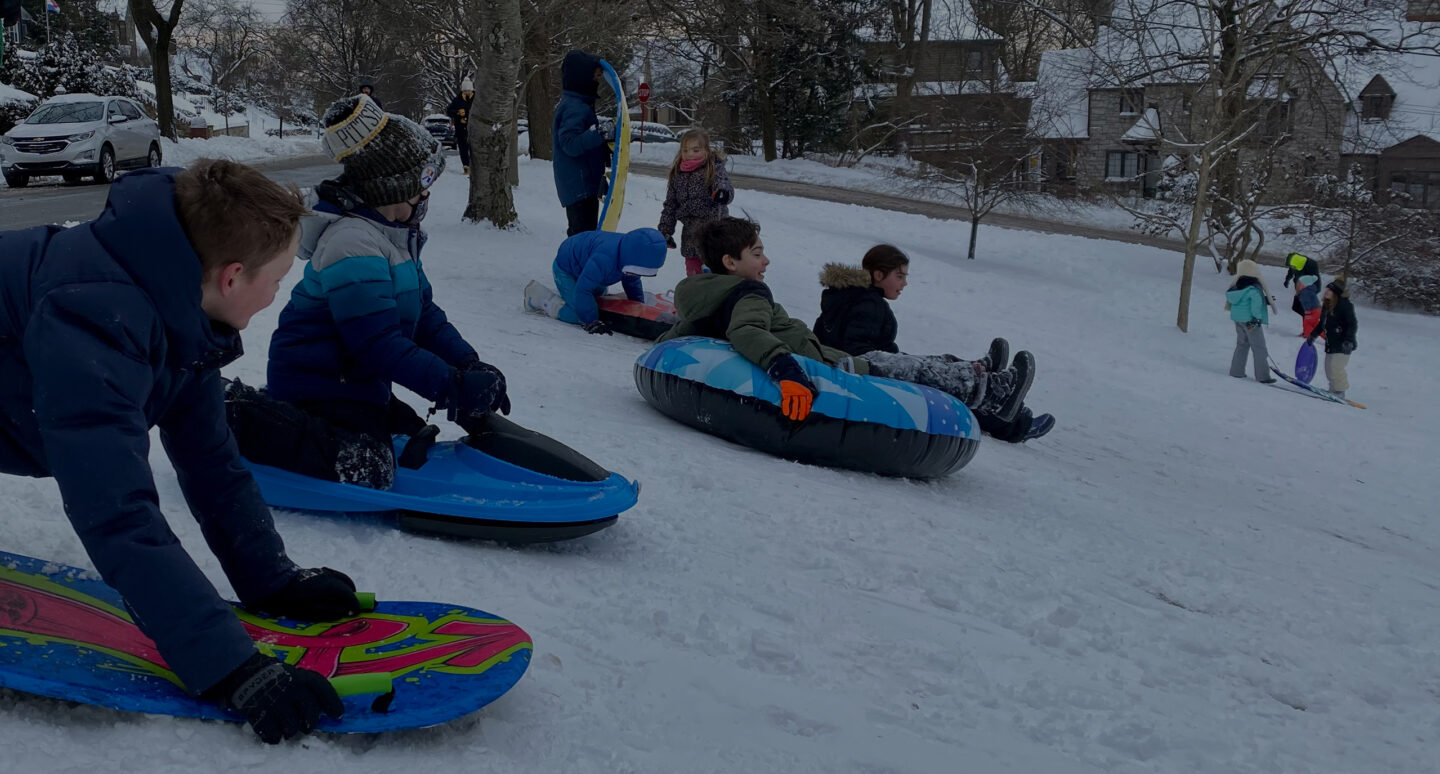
51	6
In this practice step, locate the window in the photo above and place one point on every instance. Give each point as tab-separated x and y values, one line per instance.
1421	188
1186	102
1130	102
129	110
975	65
1122	165
1375	106
113	109
1276	123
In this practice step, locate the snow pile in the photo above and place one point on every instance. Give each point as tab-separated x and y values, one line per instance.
1192	573
9	94
247	149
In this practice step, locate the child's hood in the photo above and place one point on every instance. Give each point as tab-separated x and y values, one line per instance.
838	275
642	252
577	73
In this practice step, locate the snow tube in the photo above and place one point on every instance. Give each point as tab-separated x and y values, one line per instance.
632	318
506	483
865	423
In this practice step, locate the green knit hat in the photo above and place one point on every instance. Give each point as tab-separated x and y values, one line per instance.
388	158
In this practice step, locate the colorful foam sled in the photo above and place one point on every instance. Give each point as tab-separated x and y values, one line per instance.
620	159
67	635
643	320
1312	390
507	483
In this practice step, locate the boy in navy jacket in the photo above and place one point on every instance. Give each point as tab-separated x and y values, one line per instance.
115	326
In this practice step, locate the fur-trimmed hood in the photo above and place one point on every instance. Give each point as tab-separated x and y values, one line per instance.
838	275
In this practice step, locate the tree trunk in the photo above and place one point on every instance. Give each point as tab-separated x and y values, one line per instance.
1192	240
974	232
495	26
164	100
541	92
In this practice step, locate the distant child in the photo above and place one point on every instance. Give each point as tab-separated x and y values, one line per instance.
120	325
1305	273
855	316
732	302
589	263
363	318
1248	301
698	193
459	112
1337	324
579	153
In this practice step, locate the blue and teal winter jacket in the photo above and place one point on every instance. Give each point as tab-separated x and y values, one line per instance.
362	317
1247	301
102	338
579	154
599	259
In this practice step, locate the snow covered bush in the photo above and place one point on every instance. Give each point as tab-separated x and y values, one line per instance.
1401	267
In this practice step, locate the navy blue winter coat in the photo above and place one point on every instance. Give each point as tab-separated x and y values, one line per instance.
599	259
580	154
363	316
102	338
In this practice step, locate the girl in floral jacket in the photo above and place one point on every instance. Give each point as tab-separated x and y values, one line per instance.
698	193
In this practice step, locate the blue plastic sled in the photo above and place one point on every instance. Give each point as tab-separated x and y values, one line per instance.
64	633
1305	362
544	492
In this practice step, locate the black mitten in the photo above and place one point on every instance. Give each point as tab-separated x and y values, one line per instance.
478	390
316	594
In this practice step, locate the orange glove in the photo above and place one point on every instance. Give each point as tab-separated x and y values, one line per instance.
797	392
795	400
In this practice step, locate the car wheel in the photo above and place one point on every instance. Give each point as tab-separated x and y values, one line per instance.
105	168
17	181
154	158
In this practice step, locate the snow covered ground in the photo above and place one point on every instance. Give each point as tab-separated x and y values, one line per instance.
1191	574
247	149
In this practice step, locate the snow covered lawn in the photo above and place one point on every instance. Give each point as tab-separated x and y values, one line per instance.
1192	573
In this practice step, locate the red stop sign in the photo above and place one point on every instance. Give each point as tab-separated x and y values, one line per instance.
643	92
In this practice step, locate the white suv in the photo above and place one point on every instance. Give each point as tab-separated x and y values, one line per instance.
79	135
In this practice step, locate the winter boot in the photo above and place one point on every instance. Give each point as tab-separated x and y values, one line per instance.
1039	426
998	356
543	300
1008	388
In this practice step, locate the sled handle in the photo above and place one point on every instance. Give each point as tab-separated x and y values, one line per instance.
366	600
368	683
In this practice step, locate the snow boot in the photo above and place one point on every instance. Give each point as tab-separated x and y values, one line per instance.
1008	388
542	300
998	356
1039	426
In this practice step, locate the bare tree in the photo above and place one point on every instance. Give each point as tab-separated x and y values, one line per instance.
156	28
227	35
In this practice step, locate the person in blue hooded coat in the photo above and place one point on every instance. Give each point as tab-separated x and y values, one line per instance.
589	263
363	317
119	325
579	153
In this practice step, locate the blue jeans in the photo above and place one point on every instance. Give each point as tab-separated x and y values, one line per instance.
565	286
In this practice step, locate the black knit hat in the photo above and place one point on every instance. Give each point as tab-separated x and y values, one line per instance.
1338	286
388	158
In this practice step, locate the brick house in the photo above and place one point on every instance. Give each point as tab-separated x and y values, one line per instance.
1392	123
961	89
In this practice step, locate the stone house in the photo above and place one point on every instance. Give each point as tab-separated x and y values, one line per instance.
1392	123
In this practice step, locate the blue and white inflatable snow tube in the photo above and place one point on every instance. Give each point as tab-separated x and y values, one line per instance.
867	423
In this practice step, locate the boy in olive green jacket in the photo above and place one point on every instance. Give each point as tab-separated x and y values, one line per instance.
732	302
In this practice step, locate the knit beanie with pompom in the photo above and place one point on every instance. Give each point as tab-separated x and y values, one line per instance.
388	158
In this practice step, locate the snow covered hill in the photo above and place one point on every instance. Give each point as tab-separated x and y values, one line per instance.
1191	574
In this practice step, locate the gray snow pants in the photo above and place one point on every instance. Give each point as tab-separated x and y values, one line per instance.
1250	337
956	378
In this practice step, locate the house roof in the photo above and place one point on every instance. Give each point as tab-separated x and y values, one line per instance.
1414	77
1061	109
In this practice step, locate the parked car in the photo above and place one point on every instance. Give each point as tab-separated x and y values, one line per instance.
441	129
79	135
649	131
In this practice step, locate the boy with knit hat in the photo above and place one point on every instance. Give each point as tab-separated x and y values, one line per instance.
362	318
459	112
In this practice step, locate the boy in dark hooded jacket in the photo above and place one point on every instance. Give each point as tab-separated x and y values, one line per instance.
119	325
732	302
589	263
579	153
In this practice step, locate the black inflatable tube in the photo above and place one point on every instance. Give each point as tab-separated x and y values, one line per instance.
820	440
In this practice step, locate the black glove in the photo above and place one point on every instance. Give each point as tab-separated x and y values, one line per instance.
670	242
599	326
723	196
786	369
1286	283
278	700
1347	347
316	594
478	390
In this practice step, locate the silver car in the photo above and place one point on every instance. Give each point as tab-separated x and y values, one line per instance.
79	135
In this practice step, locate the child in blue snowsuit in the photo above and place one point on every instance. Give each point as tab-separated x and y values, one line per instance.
590	262
579	152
